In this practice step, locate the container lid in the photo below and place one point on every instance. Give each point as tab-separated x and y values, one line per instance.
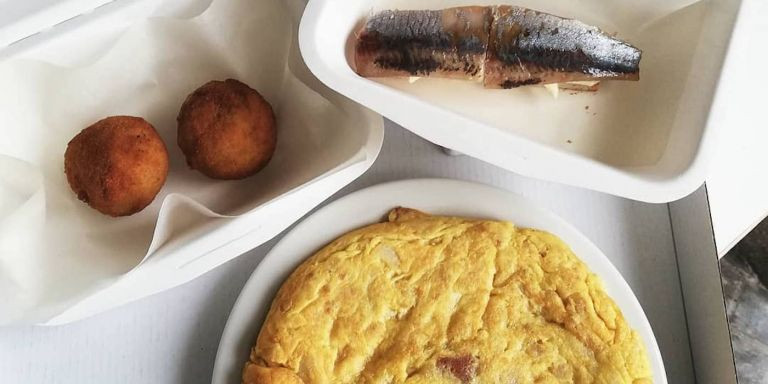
21	19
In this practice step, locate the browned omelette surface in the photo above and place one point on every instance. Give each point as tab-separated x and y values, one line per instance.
431	299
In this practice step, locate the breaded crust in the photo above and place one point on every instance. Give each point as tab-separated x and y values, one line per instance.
226	130
117	165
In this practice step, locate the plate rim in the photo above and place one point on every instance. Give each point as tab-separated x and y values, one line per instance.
629	305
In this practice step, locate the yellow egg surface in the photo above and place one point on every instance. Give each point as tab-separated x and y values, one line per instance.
431	299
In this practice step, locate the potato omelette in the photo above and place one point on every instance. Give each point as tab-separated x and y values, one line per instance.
432	299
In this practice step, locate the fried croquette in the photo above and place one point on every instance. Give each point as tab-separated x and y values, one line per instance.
117	165
226	130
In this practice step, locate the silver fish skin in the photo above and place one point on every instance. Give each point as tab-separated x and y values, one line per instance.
440	43
505	46
530	47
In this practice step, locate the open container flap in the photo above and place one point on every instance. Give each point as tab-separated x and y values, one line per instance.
26	18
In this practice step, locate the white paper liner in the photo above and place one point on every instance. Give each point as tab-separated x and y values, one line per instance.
55	250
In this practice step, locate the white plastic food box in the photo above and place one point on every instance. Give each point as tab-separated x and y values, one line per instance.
691	325
647	141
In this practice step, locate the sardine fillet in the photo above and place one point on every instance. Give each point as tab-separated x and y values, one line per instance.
505	46
530	47
445	43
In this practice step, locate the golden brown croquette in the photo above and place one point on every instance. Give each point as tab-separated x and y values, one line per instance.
226	130
117	165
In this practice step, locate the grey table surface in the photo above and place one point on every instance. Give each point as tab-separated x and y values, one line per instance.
744	274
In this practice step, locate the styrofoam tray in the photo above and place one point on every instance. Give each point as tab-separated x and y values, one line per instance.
648	141
198	224
368	206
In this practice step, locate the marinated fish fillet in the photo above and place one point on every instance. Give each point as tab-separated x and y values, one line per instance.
445	43
505	46
529	47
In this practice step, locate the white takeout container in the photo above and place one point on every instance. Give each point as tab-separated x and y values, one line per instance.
647	141
357	132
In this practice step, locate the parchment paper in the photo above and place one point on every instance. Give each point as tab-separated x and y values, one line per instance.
55	250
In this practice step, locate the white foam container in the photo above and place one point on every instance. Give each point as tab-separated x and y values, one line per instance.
648	141
81	35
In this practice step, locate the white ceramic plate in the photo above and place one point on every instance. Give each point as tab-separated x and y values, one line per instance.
370	205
